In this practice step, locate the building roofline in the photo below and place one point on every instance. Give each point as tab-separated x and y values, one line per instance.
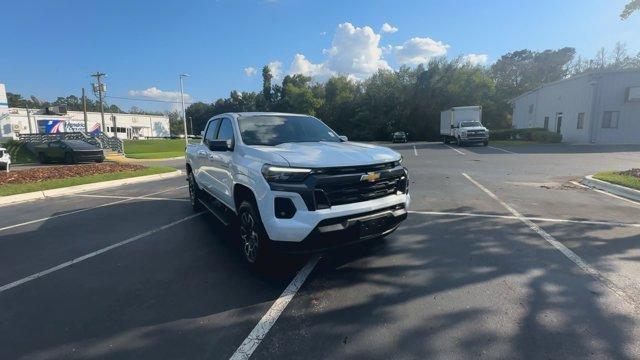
590	73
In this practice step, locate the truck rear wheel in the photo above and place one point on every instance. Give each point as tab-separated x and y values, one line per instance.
253	237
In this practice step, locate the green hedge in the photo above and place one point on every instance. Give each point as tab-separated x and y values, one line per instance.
533	134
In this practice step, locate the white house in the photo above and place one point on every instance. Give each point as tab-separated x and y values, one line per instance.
601	107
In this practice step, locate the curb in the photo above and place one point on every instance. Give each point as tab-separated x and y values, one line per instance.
36	195
622	191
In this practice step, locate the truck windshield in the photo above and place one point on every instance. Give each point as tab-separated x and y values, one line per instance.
273	130
470	124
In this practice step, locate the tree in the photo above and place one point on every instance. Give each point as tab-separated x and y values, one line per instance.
266	85
629	9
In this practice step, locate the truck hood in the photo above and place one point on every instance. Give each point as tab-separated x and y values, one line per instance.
473	128
331	154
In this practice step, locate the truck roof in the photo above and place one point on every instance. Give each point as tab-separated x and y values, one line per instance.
266	113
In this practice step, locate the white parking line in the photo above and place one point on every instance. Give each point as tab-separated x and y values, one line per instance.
127	197
454	149
560	247
259	332
87	209
507	151
541	219
92	254
415	151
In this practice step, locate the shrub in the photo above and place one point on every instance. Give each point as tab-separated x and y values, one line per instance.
533	134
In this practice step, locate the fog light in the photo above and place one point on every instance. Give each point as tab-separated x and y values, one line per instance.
284	208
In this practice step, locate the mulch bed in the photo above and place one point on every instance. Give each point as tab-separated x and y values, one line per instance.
62	172
632	172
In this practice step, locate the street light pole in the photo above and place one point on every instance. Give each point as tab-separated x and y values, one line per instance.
184	113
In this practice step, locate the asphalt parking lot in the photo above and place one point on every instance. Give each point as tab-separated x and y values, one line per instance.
502	256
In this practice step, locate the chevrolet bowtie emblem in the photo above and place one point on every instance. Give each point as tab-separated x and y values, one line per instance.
370	176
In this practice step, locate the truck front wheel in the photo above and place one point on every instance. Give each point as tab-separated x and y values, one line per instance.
253	237
194	193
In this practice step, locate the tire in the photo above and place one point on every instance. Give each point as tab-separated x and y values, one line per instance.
459	142
253	237
445	140
42	158
68	158
195	194
485	143
100	160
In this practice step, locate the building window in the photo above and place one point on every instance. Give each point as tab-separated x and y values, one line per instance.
546	122
580	120
610	119
531	109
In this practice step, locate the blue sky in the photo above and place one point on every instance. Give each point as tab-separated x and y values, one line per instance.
51	47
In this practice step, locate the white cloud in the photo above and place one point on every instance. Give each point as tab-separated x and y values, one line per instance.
156	94
250	71
476	59
388	28
355	52
300	65
323	33
276	69
419	50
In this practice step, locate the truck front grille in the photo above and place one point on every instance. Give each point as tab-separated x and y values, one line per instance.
350	188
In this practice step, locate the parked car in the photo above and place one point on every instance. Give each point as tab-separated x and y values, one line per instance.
68	151
5	159
292	184
400	136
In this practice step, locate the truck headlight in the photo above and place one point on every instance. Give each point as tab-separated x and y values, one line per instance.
276	174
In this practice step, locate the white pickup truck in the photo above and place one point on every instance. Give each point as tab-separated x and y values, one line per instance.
290	183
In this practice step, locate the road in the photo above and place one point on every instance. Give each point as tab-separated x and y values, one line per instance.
502	256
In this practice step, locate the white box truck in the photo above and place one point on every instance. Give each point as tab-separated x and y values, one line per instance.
463	125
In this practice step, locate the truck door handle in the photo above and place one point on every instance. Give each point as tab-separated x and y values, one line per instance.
202	154
214	157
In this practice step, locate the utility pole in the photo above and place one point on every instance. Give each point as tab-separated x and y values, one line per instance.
115	125
184	114
28	117
84	110
100	88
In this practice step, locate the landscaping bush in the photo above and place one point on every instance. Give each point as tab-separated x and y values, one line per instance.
533	134
546	137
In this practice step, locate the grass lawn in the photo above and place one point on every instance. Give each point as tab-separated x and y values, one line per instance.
615	177
19	153
154	149
12	189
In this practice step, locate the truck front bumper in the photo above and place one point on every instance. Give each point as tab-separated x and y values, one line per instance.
323	223
345	230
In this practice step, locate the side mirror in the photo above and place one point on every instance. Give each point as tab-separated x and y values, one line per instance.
453	126
202	133
343	138
220	145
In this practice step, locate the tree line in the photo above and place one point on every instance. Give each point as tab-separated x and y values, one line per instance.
411	99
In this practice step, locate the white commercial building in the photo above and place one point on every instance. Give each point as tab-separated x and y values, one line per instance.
602	108
15	121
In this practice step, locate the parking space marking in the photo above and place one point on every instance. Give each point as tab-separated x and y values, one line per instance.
454	149
87	209
568	253
415	151
541	219
127	197
95	253
507	151
606	193
259	332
